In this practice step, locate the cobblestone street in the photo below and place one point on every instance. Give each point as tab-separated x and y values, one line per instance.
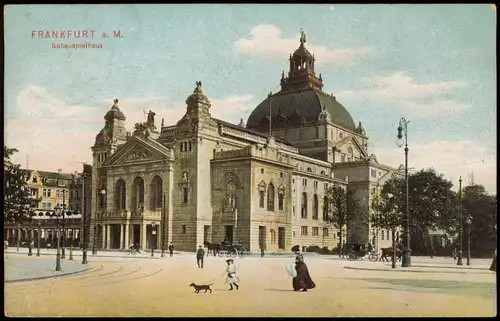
123	286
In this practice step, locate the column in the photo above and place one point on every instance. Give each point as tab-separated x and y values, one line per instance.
108	236
143	235
103	236
127	228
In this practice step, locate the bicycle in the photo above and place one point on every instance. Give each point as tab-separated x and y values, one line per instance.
131	251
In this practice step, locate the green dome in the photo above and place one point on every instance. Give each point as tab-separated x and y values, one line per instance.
292	109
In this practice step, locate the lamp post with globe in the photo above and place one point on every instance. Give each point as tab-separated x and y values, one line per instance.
403	131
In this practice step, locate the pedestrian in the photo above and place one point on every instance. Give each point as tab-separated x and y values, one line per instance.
302	282
262	250
171	249
454	253
493	266
433	251
200	254
232	277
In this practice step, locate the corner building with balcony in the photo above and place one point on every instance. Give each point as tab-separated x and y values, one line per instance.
262	184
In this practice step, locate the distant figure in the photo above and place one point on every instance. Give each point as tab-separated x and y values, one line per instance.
493	266
232	278
454	253
433	251
200	254
5	245
171	249
262	250
369	248
48	246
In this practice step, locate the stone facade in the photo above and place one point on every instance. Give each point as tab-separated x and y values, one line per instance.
206	180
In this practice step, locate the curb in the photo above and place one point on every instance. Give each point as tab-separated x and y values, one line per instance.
46	277
400	269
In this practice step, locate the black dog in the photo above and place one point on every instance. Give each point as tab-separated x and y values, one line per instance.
198	288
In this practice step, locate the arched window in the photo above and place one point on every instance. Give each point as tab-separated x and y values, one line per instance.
138	194
231	193
303	212
270	197
349	155
281	197
262	194
121	195
156	193
273	237
315	207
325	208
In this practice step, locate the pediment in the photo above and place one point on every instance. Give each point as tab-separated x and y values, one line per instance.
138	150
352	141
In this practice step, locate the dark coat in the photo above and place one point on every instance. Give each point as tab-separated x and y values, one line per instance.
200	253
303	279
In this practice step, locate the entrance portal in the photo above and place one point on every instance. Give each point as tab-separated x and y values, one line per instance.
281	238
229	233
115	236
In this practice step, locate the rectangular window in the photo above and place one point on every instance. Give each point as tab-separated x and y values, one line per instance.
304	182
325	187
342	158
315	231
181	146
189	145
374	173
382	234
183	229
58	194
280	202
261	199
78	196
303	230
315	184
388	235
185	195
325	231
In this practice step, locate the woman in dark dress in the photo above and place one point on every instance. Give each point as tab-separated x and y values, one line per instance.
302	282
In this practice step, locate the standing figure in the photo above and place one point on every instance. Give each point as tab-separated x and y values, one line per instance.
493	266
232	278
454	253
200	254
262	249
171	249
302	282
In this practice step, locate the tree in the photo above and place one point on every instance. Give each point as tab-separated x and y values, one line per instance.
19	205
482	209
337	208
386	210
432	205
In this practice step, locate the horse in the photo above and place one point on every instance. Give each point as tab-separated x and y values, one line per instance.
387	252
215	248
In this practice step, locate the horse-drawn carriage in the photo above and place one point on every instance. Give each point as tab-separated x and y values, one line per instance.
356	251
226	249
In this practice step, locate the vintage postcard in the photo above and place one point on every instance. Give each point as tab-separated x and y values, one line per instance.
234	160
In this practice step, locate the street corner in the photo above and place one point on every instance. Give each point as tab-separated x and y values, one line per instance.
29	268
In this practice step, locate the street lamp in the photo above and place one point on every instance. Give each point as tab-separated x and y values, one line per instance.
153	232
469	222
403	130
57	214
460	252
163	225
39	223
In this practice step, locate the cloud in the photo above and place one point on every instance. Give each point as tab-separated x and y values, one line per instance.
451	158
266	40
331	8
401	90
57	134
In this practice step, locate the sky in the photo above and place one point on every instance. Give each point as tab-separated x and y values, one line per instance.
434	65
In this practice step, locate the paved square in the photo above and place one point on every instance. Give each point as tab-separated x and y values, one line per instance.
141	286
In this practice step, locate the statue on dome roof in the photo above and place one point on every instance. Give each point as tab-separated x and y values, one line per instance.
302	37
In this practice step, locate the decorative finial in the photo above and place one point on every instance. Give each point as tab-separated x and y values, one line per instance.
162	122
115	101
320	77
198	84
282	74
302	37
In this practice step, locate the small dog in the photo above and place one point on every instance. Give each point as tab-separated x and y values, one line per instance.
198	288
